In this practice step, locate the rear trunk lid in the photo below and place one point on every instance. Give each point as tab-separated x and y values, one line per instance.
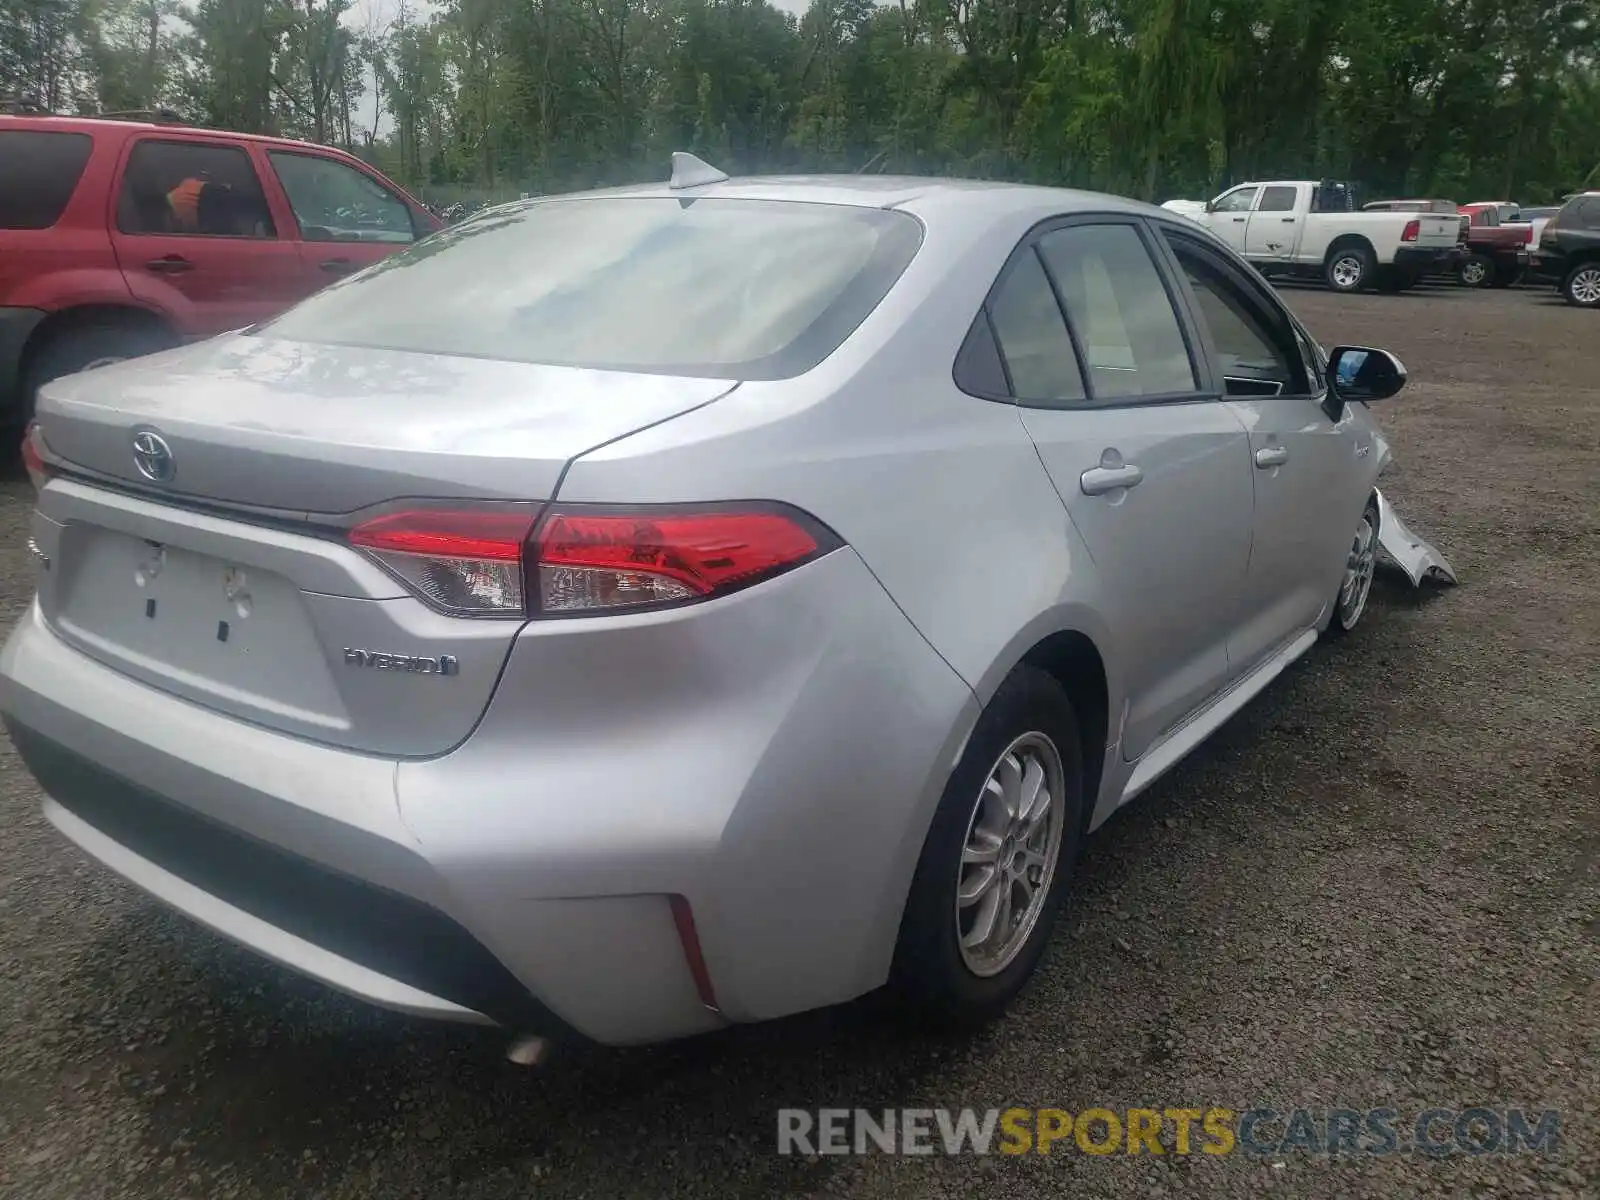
190	586
304	428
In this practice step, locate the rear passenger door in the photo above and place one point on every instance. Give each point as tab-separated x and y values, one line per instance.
1153	469
195	238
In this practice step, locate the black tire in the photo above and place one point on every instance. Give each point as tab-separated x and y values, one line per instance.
930	974
1349	268
74	347
1478	271
1581	287
1340	620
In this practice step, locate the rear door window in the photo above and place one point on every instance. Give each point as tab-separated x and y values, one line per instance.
1277	199
39	171
1120	312
334	202
1039	357
192	189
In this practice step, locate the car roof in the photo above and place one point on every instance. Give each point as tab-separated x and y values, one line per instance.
107	124
912	193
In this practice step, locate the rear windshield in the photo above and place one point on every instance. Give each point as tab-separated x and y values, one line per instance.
733	289
38	173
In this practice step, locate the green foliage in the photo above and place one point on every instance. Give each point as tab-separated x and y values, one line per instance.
1460	98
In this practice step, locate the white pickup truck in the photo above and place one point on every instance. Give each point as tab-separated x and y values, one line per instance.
1302	227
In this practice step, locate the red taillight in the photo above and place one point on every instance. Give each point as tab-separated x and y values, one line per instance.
1412	231
466	562
33	459
1527	235
592	561
482	562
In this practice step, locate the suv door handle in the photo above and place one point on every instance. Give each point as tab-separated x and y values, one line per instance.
1287	220
337	266
1272	456
171	264
1097	481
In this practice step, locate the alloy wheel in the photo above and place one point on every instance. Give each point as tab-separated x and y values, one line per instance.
1008	859
1359	567
1473	273
1585	286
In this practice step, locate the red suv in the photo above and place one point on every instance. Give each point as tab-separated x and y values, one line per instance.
118	238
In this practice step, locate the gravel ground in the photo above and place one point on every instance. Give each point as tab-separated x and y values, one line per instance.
1379	886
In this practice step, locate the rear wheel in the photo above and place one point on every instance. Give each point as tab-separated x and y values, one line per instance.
1582	285
997	858
1349	268
1477	271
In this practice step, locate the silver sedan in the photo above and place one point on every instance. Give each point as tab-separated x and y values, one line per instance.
627	614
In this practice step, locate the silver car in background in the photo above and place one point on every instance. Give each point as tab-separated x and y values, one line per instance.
633	613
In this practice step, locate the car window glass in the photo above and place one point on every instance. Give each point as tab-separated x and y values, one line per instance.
1119	310
1277	199
192	189
1033	336
714	287
1254	361
1589	213
334	202
1238	201
978	370
38	173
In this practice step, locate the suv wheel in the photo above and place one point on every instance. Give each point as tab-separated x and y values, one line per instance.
1582	285
997	858
81	347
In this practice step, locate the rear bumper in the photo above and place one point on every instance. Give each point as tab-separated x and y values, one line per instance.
1425	260
773	757
1548	267
16	326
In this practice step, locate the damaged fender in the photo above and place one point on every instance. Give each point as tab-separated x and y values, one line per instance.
1406	550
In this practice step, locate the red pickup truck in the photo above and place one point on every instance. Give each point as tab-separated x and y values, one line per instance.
118	237
1497	249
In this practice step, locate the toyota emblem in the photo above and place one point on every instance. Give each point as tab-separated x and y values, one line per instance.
153	456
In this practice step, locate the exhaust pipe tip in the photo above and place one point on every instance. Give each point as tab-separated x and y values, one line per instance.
529	1050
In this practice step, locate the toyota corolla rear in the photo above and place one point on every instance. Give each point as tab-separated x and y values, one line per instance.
320	657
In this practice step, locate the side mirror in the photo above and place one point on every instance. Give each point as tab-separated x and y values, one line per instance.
1211	206
1359	375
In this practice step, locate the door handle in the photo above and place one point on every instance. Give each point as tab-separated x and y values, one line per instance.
1237	219
337	266
1287	220
1097	481
172	264
1272	456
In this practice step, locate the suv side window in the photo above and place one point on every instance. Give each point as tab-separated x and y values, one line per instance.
337	203
1120	312
1252	341
40	172
192	189
1589	212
